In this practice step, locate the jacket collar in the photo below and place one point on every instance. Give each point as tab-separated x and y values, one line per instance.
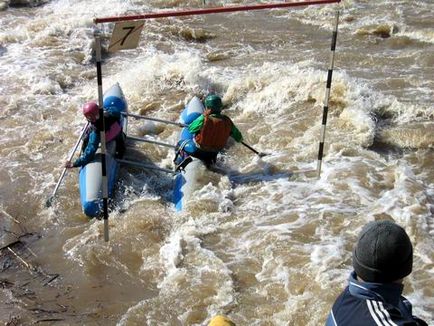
386	292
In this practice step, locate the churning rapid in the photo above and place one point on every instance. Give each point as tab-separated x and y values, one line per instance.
258	244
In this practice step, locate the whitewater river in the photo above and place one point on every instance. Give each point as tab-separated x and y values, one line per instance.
257	244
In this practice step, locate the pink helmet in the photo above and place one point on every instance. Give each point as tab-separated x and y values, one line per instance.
91	111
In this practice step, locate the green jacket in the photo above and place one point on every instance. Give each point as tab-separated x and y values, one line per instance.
197	124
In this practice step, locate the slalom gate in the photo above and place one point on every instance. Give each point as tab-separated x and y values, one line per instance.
126	35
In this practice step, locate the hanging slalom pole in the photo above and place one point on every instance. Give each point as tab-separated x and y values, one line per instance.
102	136
327	95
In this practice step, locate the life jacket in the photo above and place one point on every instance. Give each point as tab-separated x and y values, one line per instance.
113	130
214	133
112	127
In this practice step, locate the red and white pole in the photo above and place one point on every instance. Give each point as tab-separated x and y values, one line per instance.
217	10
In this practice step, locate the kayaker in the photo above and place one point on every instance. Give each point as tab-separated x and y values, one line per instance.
382	258
115	139
211	132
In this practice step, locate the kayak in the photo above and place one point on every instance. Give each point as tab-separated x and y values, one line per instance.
186	179
90	176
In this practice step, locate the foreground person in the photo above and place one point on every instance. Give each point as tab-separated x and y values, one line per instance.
383	256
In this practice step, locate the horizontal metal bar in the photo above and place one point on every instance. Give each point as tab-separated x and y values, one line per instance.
137	116
150	141
146	166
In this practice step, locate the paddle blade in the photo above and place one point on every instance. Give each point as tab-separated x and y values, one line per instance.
49	202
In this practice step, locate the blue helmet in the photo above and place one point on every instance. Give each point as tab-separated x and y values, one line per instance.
114	105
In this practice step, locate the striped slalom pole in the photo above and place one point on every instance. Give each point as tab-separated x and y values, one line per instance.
102	136
327	95
215	10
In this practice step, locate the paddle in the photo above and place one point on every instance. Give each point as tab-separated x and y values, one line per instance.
181	125
254	150
50	199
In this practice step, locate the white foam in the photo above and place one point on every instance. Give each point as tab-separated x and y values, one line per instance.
267	236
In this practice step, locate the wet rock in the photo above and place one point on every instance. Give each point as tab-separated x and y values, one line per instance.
149	107
27	3
349	19
383	217
4	4
381	30
218	56
195	34
199	35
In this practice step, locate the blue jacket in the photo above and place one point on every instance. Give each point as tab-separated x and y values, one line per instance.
88	153
372	304
93	138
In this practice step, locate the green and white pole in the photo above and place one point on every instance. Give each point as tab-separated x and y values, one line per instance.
327	95
102	136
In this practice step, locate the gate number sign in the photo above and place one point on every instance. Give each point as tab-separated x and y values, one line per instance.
126	35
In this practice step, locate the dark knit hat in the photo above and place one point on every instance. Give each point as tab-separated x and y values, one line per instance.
383	253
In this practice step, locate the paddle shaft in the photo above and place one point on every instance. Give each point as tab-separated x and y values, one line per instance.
179	125
69	159
252	149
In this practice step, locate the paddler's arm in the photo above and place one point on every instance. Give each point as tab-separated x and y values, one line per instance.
90	150
196	125
236	134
